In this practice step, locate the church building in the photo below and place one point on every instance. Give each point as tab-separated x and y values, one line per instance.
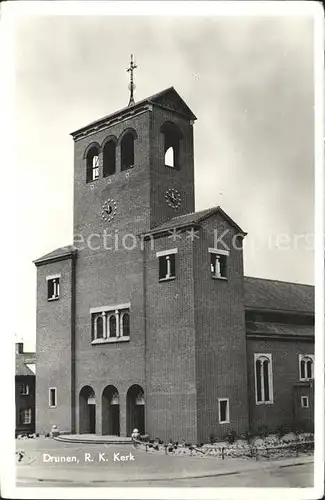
147	320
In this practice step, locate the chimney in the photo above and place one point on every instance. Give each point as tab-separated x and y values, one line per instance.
19	348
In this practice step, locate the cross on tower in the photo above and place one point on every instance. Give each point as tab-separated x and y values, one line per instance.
131	86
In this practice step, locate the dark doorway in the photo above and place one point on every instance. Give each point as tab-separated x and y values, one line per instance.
87	411
135	409
111	411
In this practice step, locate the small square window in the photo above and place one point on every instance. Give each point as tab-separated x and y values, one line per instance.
53	288
24	389
223	411
304	402
218	265
52	397
167	266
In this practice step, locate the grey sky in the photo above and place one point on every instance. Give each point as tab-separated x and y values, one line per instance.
248	80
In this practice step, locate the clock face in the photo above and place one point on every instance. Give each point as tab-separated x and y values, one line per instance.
109	210
173	198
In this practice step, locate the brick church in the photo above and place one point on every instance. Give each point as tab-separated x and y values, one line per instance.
147	320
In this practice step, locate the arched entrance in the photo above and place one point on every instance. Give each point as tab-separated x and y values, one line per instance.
111	411
87	410
135	409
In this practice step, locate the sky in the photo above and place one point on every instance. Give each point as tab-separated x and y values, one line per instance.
249	80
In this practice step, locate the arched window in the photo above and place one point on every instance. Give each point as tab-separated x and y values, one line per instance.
125	325
112	325
109	158
263	378
92	163
127	150
306	367
99	328
172	138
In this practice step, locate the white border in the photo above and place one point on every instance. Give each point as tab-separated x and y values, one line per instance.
10	10
171	251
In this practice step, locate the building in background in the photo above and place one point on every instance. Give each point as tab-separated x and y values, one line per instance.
24	391
148	320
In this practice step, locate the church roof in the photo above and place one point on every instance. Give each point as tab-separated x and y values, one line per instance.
259	328
276	295
21	367
58	254
194	218
168	99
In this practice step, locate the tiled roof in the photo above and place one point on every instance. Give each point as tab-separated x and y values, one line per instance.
278	295
21	368
153	98
55	254
279	329
193	218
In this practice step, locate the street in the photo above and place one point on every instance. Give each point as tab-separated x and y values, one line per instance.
50	463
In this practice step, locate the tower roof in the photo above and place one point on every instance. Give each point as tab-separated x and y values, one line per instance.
168	99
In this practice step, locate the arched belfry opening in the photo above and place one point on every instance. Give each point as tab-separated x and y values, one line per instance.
111	411
109	158
127	150
87	410
92	164
135	409
172	138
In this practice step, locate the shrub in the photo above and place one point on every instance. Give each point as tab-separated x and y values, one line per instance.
248	435
299	428
145	438
212	438
231	437
263	431
282	430
170	449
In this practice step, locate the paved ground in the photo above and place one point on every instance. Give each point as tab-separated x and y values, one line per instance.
102	465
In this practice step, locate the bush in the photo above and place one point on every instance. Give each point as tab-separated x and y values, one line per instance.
299	428
231	437
263	431
145	438
248	435
282	430
212	438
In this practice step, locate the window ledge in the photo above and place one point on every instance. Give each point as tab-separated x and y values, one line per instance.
264	403
306	379
111	340
219	278
167	279
52	298
224	422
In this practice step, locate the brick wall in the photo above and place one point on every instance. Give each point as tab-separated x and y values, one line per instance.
285	364
170	345
54	348
220	335
162	177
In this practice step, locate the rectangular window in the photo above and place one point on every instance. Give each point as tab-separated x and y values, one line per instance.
53	288
218	263
52	397
223	405
26	416
304	402
167	264
24	389
263	373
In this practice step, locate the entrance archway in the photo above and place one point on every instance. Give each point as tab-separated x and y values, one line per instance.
87	410
111	411
135	409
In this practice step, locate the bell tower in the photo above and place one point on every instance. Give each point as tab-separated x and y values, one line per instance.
134	168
